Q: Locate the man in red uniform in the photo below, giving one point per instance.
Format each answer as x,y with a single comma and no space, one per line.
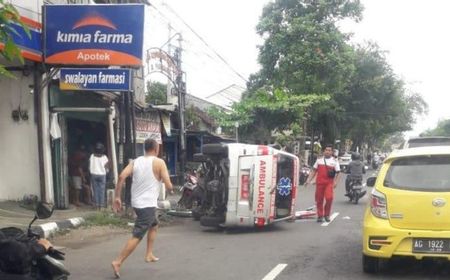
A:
327,170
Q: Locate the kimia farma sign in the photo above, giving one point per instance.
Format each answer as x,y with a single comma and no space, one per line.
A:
93,34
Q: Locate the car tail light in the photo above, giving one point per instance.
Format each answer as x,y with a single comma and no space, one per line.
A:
245,189
378,204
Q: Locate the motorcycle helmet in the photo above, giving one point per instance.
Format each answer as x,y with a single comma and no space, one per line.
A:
356,156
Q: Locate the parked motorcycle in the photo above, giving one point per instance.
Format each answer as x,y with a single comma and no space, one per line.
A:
188,191
356,191
48,266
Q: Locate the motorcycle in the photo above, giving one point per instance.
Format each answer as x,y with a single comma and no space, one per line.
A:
304,174
356,191
47,267
188,190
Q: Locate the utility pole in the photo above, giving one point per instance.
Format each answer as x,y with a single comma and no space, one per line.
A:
181,87
169,52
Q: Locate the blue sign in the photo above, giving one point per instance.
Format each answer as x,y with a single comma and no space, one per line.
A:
29,44
95,79
94,34
284,186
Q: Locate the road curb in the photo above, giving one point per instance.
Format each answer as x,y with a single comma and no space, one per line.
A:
49,229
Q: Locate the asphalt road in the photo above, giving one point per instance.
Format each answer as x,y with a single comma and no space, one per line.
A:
295,250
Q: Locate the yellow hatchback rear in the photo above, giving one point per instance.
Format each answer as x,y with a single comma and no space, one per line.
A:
409,209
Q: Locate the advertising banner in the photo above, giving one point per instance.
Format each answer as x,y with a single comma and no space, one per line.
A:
148,127
94,34
95,79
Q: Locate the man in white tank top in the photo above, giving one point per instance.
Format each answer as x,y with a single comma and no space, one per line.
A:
148,171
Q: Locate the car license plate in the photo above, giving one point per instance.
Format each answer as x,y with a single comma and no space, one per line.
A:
431,245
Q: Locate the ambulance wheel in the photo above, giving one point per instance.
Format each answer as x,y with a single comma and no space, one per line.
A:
200,158
211,221
371,265
196,214
214,149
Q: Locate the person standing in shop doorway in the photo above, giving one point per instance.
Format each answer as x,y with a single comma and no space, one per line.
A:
98,165
76,172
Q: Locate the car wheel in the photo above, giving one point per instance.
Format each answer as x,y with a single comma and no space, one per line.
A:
211,221
371,264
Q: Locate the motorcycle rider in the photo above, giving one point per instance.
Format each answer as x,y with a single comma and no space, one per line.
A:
356,169
16,256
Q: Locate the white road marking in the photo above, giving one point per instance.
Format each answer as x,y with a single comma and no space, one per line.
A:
332,217
275,272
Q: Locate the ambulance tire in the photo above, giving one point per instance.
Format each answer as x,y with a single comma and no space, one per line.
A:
214,149
200,158
196,214
211,221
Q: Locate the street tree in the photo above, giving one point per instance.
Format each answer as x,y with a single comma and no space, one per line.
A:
156,93
263,113
377,103
9,16
304,52
442,129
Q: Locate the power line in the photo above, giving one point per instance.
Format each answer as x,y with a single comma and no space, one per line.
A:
204,42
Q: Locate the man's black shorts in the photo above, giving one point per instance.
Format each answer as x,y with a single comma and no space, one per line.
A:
146,219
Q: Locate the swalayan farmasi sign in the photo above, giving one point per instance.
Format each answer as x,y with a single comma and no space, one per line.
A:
95,79
93,34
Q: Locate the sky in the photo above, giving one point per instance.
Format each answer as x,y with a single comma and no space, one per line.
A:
413,32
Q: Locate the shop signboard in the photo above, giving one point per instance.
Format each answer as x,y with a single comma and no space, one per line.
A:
94,34
148,127
95,79
28,43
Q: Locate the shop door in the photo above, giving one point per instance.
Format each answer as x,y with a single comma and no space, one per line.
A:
60,170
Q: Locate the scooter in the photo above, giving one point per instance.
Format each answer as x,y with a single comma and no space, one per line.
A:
47,267
356,191
187,191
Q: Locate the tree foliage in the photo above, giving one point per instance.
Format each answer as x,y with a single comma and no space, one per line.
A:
8,17
263,112
442,129
376,104
156,93
305,54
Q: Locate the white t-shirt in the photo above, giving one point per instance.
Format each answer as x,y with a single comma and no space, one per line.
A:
97,164
145,187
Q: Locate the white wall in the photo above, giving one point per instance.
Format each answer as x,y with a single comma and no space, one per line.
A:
19,164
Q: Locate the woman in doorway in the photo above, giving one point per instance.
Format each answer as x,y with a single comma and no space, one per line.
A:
98,165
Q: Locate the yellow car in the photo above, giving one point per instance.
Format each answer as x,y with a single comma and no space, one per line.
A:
409,209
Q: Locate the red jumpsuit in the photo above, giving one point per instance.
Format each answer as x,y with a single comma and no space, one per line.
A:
325,185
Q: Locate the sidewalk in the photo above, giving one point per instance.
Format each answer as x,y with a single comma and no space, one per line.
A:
12,214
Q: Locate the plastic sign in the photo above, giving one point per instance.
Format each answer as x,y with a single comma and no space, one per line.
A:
95,79
30,45
94,34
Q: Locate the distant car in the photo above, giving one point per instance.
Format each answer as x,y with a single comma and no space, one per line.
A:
416,142
344,160
409,209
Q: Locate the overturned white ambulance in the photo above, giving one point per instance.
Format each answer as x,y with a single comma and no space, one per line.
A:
245,185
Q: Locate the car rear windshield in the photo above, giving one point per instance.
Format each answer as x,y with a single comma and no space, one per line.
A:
421,173
425,142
